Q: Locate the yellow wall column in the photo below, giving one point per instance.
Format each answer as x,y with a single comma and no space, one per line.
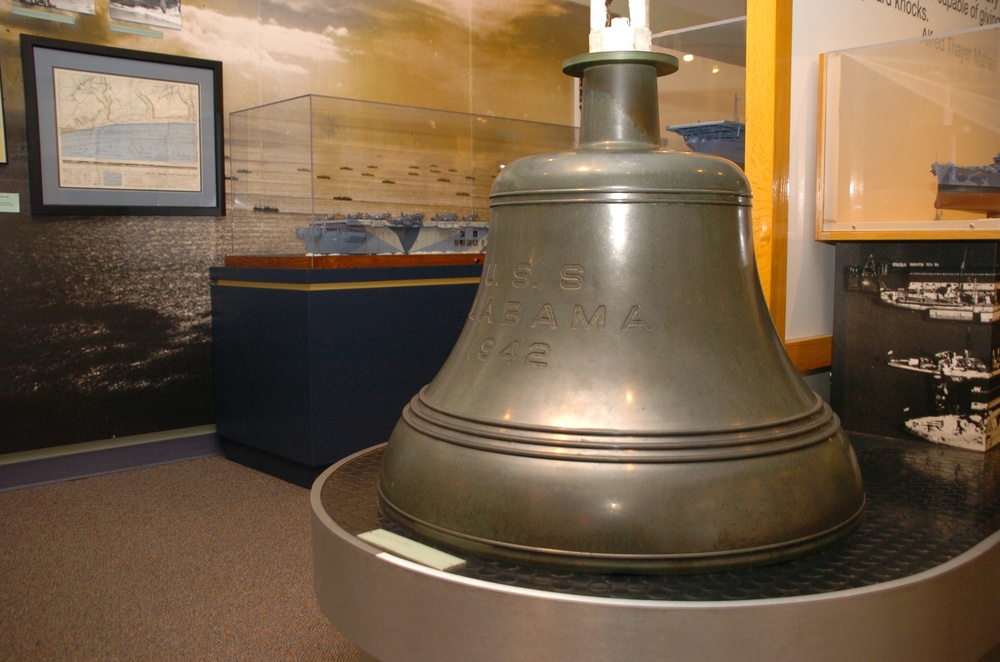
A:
769,44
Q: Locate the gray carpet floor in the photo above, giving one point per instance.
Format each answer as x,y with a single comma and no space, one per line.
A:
197,560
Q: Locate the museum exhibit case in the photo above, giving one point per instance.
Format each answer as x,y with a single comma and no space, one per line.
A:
356,239
317,174
909,143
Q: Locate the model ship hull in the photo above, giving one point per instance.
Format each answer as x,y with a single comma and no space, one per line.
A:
723,138
964,198
381,237
971,188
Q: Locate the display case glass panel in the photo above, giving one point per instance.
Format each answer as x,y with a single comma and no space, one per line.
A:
310,158
702,104
909,144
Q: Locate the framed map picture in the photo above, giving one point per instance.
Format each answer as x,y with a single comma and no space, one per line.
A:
3,131
114,131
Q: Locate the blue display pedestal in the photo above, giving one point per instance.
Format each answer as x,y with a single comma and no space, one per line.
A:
313,364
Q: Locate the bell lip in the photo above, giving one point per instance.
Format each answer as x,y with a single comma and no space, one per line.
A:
809,427
665,64
639,564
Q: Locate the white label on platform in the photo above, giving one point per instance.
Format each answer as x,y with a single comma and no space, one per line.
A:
411,550
10,203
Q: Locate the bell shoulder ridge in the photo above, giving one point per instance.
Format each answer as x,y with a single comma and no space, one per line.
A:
596,168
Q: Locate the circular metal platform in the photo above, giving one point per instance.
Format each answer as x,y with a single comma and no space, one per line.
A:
920,579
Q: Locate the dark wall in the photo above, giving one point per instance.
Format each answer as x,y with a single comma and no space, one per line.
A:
105,326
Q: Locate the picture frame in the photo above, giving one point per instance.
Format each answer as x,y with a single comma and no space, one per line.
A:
3,131
122,132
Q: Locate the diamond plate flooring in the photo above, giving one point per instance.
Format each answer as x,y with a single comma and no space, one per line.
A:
926,505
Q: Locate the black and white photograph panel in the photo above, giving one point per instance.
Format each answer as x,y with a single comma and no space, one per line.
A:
158,13
916,336
78,6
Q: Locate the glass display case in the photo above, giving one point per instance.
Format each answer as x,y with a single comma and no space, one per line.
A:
311,159
909,139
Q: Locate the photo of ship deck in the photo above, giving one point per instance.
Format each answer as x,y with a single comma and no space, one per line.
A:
966,397
945,292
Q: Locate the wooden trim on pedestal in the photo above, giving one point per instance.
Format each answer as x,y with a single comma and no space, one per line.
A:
351,261
806,354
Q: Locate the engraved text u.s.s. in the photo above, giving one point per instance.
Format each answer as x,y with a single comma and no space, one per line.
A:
544,317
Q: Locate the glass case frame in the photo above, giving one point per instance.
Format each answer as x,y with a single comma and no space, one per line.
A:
897,121
314,157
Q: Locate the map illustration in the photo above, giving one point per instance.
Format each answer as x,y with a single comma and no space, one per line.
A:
120,132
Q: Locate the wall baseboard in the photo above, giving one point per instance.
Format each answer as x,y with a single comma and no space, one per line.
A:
50,465
810,353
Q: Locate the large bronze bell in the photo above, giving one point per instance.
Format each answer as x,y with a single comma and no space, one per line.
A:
619,400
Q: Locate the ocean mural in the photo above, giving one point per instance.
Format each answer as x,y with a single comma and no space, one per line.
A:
105,323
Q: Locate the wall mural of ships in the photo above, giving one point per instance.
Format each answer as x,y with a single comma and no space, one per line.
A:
944,293
968,188
384,234
943,385
965,391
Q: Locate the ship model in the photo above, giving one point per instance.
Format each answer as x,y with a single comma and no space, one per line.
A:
968,188
725,138
384,234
